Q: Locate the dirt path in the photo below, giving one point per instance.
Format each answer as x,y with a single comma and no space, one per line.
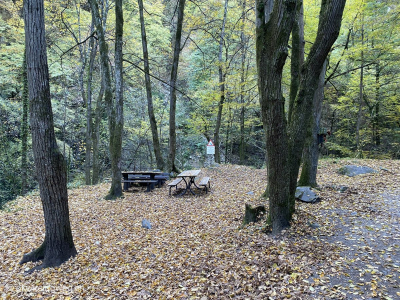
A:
365,222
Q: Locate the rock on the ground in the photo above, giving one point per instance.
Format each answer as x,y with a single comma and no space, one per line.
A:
352,170
305,194
146,224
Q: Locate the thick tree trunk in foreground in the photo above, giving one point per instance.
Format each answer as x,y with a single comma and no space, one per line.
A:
274,23
172,91
58,245
273,31
152,118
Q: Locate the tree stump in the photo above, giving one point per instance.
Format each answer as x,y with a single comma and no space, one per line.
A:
253,214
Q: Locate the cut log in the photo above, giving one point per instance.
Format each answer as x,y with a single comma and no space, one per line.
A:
253,214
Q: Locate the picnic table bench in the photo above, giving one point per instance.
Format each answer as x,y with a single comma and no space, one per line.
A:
204,182
174,184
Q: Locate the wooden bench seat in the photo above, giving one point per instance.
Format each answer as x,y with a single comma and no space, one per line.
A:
148,183
174,183
204,181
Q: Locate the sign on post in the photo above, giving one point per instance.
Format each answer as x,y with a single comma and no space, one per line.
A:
210,148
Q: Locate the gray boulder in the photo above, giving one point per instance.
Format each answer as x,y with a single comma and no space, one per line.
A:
305,194
352,171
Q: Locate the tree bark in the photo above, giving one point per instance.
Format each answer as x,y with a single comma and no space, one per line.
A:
172,91
221,74
308,176
153,123
297,58
24,128
58,245
273,27
117,120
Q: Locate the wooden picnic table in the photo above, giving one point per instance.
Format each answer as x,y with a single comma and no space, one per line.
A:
188,177
147,177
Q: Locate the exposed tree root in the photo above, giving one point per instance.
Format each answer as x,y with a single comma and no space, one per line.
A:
35,255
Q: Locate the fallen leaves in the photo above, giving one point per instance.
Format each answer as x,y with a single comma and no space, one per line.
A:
195,250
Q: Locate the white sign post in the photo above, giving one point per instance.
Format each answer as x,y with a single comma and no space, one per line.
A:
210,152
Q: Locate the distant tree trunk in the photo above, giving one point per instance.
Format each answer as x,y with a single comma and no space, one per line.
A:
174,75
24,128
153,123
88,150
308,176
222,74
273,31
58,245
115,113
361,93
242,81
96,136
376,121
297,58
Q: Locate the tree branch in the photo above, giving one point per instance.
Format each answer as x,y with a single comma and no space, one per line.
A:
163,81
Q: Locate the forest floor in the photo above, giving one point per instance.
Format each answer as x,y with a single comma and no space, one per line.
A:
347,246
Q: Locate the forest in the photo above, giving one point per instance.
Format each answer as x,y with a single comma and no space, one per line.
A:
292,94
215,87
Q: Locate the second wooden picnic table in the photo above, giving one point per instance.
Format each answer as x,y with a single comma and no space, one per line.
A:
147,177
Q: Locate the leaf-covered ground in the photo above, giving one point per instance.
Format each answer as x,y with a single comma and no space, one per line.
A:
344,247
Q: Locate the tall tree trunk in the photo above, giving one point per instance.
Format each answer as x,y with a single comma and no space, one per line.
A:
242,81
153,123
272,35
174,75
221,74
88,150
376,121
24,128
273,26
96,136
83,54
308,176
361,92
297,58
115,114
58,245
328,31
117,120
